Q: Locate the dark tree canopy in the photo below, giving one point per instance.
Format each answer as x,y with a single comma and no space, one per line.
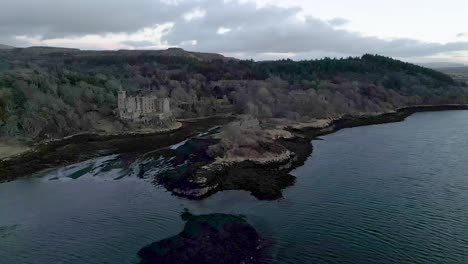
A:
49,92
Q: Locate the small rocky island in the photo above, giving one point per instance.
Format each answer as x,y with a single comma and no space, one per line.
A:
209,239
241,155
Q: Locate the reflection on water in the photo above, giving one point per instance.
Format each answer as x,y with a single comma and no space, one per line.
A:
393,193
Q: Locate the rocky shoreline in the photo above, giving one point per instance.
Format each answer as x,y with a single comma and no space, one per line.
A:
266,181
195,175
349,121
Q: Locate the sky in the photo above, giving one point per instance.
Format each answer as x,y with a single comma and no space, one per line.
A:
416,30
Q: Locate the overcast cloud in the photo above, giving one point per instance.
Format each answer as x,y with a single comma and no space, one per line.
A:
228,27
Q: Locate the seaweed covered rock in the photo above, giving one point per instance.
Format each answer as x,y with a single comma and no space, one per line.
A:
192,173
214,238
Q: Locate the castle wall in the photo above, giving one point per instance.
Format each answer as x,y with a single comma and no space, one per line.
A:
142,108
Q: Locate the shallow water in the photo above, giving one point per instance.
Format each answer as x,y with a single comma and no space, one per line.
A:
393,193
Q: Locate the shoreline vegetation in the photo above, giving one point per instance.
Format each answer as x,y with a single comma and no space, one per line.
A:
260,166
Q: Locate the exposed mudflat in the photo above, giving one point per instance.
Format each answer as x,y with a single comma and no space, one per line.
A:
87,146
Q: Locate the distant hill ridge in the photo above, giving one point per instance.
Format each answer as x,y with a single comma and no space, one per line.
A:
438,65
457,73
454,70
170,52
2,46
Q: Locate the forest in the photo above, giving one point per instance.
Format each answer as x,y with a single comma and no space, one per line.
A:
53,92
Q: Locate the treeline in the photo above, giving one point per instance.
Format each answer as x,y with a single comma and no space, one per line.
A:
47,93
367,64
37,104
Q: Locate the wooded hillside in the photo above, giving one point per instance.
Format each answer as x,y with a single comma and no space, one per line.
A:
52,92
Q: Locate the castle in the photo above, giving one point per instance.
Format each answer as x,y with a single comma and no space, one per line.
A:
143,108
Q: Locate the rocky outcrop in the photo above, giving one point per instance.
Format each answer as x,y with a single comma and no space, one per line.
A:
209,239
196,175
266,179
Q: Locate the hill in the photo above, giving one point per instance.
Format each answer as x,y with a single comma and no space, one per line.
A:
438,65
455,70
457,73
6,47
51,92
103,55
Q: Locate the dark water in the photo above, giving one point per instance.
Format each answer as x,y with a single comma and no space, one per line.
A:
393,193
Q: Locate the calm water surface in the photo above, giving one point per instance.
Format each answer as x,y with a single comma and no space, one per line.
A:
393,193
